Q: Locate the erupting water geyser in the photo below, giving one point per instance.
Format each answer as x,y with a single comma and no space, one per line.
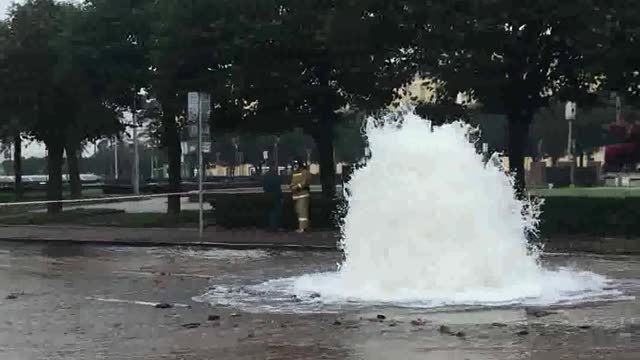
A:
428,223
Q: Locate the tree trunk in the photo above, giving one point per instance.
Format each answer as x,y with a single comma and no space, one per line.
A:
323,133
54,185
73,165
323,138
172,142
518,138
17,166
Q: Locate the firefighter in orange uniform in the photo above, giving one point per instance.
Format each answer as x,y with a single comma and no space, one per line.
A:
301,192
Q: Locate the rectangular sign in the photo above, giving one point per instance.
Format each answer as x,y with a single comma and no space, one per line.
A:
570,111
205,106
206,147
193,106
192,131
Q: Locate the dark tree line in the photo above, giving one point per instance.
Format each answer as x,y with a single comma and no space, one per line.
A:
67,72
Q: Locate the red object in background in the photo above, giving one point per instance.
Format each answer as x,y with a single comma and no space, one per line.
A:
618,131
627,153
634,134
621,154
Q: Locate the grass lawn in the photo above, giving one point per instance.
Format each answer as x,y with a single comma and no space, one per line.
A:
106,217
599,192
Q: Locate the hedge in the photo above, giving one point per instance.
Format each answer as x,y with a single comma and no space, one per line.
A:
561,215
591,216
251,211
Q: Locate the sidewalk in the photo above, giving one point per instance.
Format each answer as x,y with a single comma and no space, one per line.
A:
214,237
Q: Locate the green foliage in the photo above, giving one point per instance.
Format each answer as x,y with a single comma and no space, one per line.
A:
511,59
276,66
302,60
621,48
591,216
50,86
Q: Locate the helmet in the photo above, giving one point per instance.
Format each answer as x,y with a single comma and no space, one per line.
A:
298,161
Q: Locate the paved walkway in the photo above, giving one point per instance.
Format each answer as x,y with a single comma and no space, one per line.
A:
215,237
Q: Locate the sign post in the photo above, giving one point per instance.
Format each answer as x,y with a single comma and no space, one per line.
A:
570,115
200,172
199,108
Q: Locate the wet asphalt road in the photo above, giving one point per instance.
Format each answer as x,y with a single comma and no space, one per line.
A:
87,302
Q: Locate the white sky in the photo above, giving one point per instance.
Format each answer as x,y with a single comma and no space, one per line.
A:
4,5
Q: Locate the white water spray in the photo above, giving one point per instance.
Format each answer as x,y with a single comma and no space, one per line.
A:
428,223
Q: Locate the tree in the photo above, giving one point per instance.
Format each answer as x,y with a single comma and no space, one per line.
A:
31,58
350,139
11,127
186,49
511,59
621,55
50,62
301,62
12,132
106,63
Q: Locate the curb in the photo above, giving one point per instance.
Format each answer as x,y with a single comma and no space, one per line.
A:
202,244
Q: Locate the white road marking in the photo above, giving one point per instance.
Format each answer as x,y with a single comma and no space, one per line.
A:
144,273
134,302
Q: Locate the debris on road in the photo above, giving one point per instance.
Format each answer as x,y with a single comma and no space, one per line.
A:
191,325
418,322
538,312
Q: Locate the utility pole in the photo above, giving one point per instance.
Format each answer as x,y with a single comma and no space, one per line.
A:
115,157
619,117
236,145
275,155
136,156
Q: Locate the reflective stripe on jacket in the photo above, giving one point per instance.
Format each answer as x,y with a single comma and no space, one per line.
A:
300,184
